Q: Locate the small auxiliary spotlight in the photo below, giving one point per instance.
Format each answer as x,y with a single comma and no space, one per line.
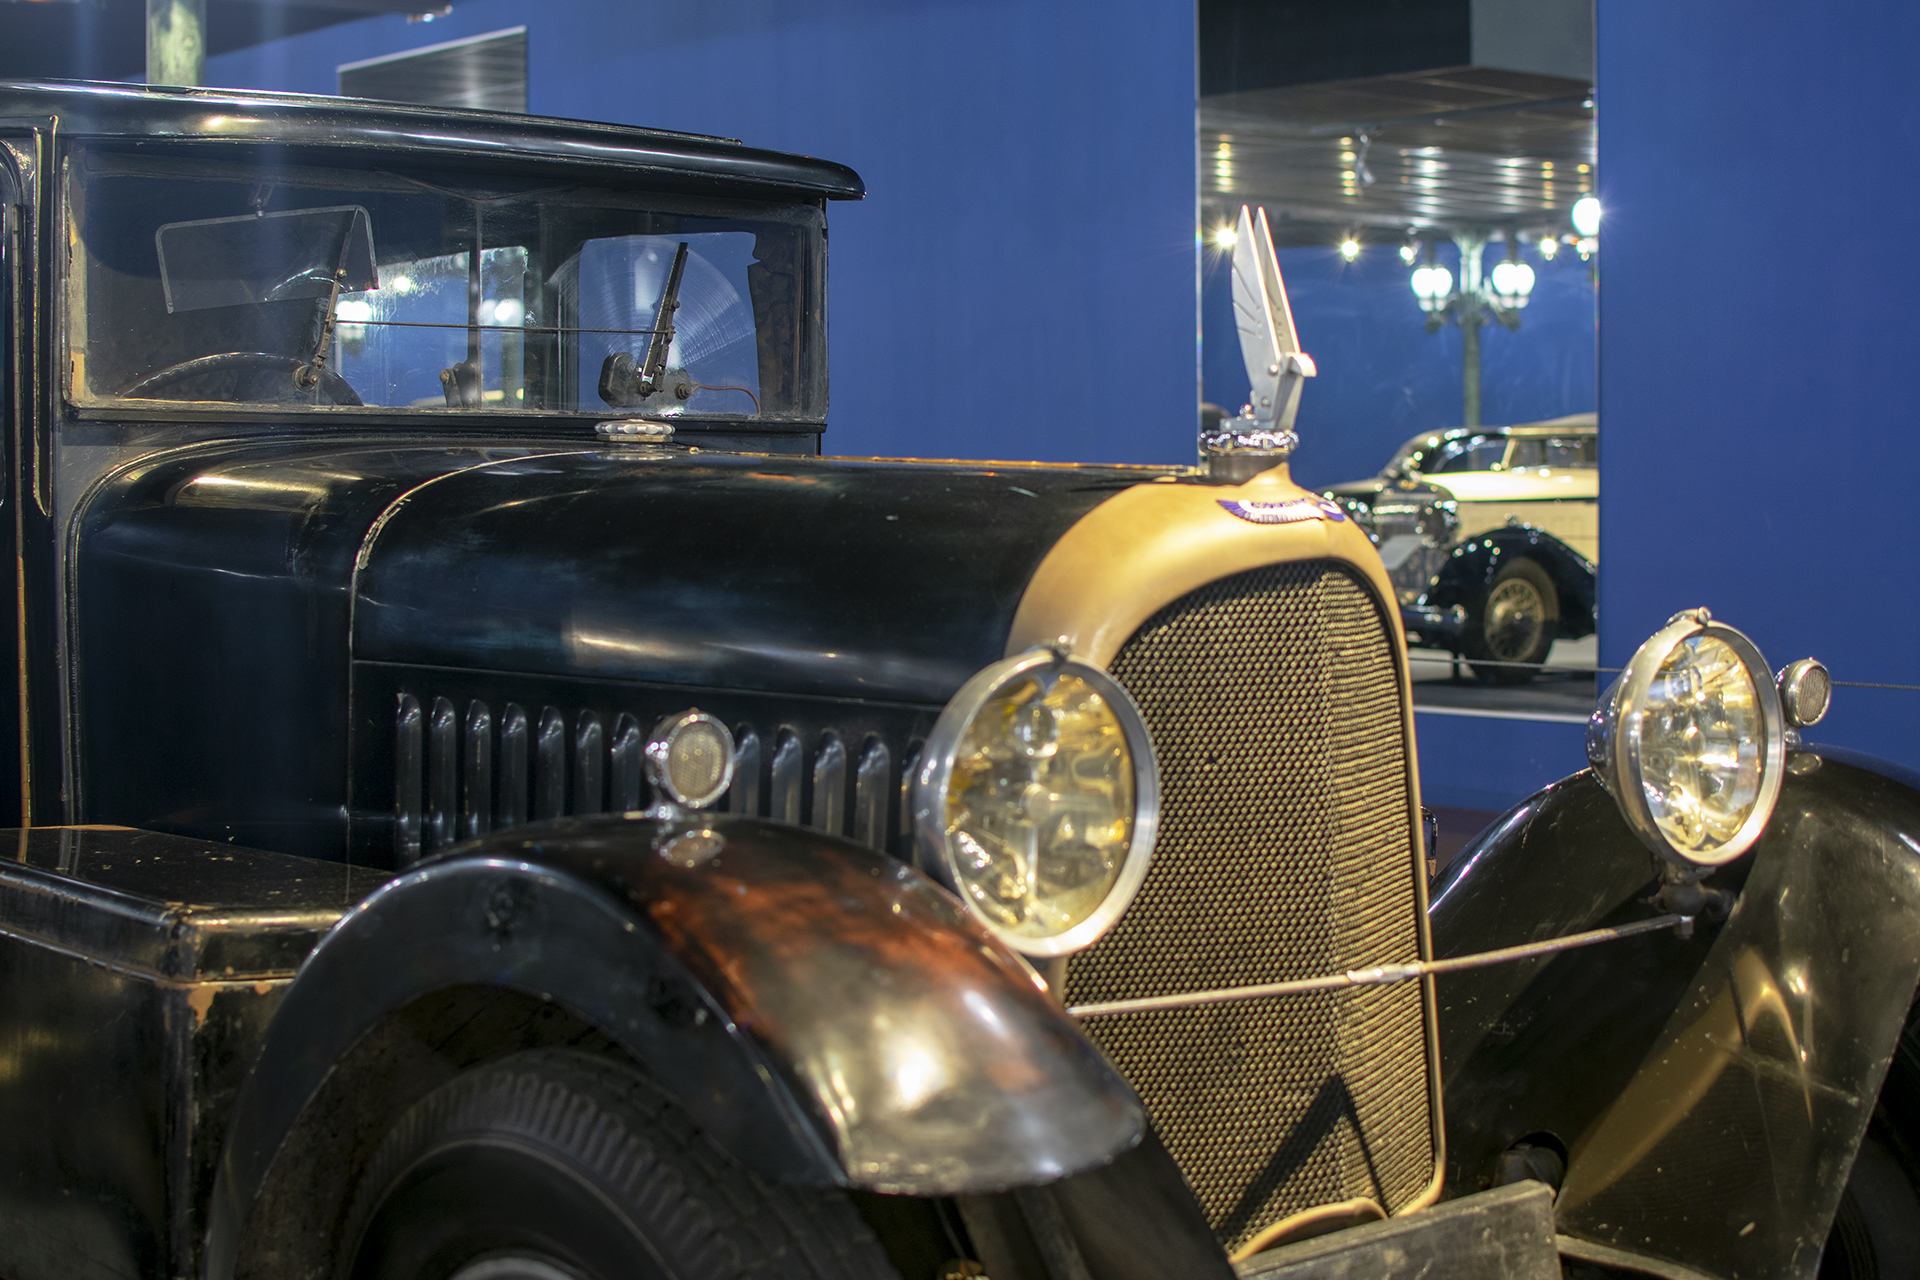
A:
690,759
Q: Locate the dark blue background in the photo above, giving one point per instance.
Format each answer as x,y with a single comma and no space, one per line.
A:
1760,315
1021,282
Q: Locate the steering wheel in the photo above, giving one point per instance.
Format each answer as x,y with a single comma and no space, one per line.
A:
244,376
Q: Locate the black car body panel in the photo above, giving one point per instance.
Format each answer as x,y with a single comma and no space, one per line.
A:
737,573
701,948
1709,1091
142,971
693,569
1470,567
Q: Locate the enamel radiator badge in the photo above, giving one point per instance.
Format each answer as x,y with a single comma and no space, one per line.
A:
1288,512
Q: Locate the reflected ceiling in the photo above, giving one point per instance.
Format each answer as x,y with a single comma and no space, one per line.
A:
1455,147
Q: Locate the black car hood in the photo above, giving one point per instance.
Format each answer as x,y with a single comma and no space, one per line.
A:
847,578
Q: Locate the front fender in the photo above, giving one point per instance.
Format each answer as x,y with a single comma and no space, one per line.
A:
1473,563
1710,1092
827,1014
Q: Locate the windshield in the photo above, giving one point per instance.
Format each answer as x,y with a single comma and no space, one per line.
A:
356,289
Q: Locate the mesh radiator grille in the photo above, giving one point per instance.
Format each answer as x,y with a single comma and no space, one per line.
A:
1284,852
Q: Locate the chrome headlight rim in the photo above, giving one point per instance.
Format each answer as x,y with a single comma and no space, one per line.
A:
1617,737
936,853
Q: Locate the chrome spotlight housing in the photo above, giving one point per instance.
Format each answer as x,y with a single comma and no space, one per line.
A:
1806,691
1036,801
1691,741
689,759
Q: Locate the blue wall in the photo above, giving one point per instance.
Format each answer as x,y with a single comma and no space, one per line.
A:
1383,378
1484,762
1020,281
1760,317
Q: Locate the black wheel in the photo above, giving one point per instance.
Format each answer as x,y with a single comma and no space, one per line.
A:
558,1165
1876,1233
1514,620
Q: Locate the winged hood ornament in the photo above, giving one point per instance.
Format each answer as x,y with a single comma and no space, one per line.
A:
1276,366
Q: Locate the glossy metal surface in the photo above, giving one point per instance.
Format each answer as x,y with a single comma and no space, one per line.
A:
837,1017
213,582
715,577
1806,691
1616,737
294,120
1710,1091
141,971
935,775
1471,565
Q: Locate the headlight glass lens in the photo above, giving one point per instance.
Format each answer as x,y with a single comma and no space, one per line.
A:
1702,745
1040,805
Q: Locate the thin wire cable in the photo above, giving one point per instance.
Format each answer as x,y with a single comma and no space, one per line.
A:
1386,973
1546,669
701,386
491,328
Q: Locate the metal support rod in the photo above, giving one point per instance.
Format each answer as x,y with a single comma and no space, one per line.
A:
1383,973
1470,368
176,41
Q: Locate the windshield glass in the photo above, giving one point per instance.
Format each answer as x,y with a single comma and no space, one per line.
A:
369,288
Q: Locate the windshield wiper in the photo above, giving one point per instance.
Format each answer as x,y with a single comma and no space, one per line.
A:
307,376
621,385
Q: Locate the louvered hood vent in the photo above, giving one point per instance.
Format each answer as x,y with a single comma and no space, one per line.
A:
463,768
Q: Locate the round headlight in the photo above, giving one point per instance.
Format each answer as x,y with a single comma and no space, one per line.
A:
1036,801
1690,741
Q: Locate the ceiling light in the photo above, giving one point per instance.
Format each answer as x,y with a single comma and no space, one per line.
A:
1548,247
1586,216
1349,248
1224,235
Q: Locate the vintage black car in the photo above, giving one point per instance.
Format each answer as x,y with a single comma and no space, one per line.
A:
494,802
1492,537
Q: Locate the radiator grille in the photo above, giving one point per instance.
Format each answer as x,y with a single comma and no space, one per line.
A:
1284,852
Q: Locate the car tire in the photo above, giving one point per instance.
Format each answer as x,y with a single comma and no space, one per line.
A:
1876,1231
1514,620
560,1165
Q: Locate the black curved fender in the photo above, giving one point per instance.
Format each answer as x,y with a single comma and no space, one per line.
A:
826,1013
1710,1091
1473,563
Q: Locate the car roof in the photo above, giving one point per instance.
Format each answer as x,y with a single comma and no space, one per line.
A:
1574,424
113,110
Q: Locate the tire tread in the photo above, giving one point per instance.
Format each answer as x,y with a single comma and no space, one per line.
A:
621,1131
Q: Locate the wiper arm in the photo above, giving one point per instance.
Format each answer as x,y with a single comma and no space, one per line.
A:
307,376
656,365
621,386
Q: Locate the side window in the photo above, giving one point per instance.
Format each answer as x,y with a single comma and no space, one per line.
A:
1550,451
1469,453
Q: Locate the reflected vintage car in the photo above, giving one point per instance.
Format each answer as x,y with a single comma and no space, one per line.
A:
1491,536
492,801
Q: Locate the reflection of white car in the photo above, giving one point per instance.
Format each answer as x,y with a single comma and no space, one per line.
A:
1491,536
